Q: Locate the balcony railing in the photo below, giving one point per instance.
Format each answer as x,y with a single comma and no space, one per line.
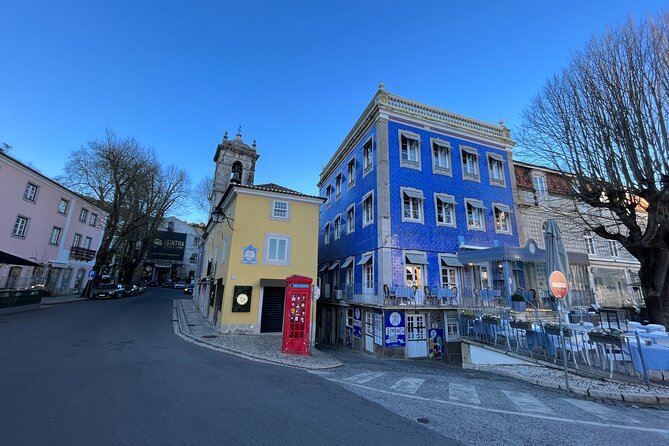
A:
84,254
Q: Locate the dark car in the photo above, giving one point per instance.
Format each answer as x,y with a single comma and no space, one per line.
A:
108,291
130,289
153,283
168,284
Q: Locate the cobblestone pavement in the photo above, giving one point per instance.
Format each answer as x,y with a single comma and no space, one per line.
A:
190,324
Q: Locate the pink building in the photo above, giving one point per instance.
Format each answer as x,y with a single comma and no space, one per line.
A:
54,232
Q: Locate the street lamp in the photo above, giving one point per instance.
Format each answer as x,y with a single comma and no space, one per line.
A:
217,215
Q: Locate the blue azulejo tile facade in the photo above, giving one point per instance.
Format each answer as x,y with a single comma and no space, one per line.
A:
410,193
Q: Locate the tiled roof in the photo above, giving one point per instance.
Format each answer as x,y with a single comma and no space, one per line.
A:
272,187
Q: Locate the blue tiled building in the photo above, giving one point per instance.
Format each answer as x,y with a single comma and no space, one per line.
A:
411,192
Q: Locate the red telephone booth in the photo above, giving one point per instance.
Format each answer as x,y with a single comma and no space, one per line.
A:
296,316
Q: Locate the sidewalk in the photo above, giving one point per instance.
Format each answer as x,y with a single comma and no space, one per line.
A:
52,300
192,326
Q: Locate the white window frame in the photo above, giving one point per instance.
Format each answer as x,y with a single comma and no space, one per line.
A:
452,327
83,215
540,187
62,206
328,195
447,170
326,234
451,273
367,156
441,198
285,260
368,272
350,219
30,192
349,274
614,251
408,162
368,219
338,183
54,238
480,211
589,242
94,219
76,240
20,226
276,204
466,151
415,204
494,158
350,173
337,227
495,210
87,243
349,317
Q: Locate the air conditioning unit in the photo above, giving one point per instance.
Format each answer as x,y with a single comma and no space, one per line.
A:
338,294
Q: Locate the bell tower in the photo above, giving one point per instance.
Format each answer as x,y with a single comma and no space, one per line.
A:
235,163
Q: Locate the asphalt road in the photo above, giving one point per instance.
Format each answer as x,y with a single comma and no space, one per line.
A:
114,373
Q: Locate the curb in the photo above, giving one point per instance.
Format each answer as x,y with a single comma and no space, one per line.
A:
592,392
43,302
178,317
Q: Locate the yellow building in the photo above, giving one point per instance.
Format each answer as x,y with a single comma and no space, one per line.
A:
266,234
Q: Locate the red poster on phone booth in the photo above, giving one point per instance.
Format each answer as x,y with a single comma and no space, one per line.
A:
296,316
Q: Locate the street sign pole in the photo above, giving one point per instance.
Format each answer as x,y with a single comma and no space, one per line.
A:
559,288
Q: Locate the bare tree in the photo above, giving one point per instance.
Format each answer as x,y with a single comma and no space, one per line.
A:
126,181
200,197
602,121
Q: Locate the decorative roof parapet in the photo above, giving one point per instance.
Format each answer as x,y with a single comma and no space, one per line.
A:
389,103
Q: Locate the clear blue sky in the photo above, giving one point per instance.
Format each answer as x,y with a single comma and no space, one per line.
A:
295,75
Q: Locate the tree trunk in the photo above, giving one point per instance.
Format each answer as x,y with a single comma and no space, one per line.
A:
654,275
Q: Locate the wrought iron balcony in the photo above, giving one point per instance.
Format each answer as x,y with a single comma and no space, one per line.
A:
84,254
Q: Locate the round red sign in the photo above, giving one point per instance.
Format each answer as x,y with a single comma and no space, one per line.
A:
558,284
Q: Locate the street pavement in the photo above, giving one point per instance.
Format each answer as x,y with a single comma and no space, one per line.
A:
114,373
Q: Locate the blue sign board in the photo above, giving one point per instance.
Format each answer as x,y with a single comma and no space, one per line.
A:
395,333
91,273
357,322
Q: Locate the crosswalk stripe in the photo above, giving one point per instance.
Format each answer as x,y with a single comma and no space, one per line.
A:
599,410
362,378
463,393
527,402
408,385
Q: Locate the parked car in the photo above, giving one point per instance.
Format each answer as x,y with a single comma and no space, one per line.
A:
168,284
108,291
153,283
130,289
188,289
180,285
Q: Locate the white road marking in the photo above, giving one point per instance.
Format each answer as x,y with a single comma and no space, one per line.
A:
362,378
599,410
510,412
527,402
408,385
461,392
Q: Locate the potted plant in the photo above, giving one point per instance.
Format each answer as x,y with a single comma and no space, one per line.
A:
553,328
520,324
489,318
518,302
606,336
467,314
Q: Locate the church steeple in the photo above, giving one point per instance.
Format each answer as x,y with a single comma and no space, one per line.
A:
235,163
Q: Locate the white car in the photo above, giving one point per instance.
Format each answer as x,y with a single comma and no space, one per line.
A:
180,285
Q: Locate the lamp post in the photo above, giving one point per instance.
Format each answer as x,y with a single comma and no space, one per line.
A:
217,215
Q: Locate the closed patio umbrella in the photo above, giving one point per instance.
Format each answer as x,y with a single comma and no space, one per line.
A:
556,260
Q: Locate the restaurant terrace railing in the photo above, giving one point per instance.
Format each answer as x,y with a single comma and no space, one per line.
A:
632,352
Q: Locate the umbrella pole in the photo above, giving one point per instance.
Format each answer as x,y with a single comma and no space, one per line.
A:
564,349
